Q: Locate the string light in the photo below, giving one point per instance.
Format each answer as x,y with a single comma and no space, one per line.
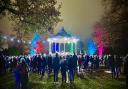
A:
12,39
5,37
29,42
63,40
18,41
24,42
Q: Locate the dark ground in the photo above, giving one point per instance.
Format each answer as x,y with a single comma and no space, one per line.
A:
97,80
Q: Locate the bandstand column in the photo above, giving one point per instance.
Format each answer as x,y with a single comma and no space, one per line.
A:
59,47
72,48
49,47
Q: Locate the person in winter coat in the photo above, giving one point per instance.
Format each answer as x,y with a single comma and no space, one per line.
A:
75,59
39,60
63,65
112,65
118,65
43,66
80,63
17,75
24,75
49,62
126,70
86,62
97,63
71,68
56,66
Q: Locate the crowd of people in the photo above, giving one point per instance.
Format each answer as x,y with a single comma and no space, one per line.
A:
67,65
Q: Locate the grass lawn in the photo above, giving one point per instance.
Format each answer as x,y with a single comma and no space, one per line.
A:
98,80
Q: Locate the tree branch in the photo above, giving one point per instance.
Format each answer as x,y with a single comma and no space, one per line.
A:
13,11
2,8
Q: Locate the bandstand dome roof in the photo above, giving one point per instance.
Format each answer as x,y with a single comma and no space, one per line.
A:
62,37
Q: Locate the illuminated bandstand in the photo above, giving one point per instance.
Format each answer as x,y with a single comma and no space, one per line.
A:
62,43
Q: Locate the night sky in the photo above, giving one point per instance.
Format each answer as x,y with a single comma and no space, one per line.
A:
78,16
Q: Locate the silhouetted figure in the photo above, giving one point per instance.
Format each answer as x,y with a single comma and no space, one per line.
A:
80,62
63,65
17,75
118,64
24,75
14,63
86,62
72,69
2,64
43,66
91,63
112,65
126,70
49,62
56,66
39,64
75,59
97,62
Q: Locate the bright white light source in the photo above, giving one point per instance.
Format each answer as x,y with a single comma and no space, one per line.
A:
18,41
12,39
29,42
65,38
68,42
5,37
109,72
55,39
75,40
49,40
24,42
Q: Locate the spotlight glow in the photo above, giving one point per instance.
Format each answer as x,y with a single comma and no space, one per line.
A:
91,47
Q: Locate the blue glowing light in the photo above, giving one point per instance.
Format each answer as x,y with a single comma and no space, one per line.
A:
91,47
53,48
57,47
